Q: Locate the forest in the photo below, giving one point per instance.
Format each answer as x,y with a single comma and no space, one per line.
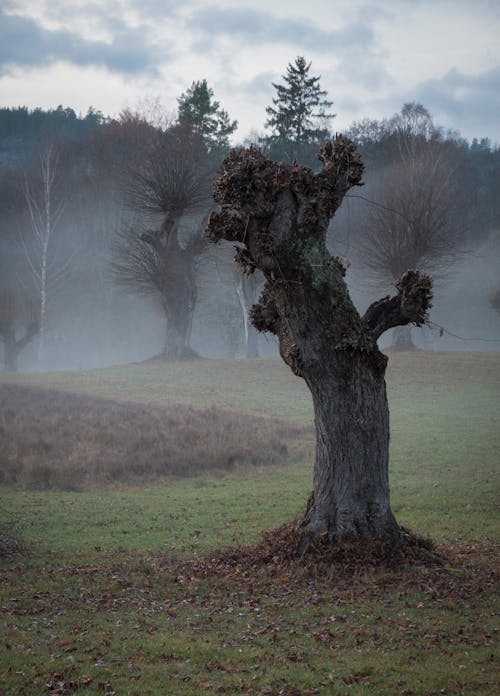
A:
104,258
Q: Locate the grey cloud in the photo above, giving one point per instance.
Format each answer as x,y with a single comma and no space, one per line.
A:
260,85
109,13
470,103
24,42
261,27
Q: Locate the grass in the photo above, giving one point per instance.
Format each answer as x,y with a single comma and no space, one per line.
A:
51,439
105,598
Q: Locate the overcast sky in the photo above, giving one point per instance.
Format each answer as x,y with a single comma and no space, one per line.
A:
372,55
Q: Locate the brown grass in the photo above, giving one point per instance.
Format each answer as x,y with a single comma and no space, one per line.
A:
52,440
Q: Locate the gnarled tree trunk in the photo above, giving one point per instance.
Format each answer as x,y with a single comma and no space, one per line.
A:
173,267
178,301
279,214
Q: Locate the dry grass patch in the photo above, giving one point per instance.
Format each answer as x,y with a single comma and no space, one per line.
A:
52,440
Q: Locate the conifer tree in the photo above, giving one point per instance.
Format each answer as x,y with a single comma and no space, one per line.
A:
200,111
300,107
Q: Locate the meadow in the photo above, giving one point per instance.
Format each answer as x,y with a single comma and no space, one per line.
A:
155,580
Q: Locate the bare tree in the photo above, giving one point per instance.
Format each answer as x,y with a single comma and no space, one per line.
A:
48,265
279,214
158,264
19,325
416,217
173,182
412,223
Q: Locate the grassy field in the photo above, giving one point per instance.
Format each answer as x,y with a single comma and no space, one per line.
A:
109,597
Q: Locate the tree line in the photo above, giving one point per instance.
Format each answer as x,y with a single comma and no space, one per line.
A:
96,211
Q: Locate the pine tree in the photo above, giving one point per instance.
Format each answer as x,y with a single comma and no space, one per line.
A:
299,107
199,111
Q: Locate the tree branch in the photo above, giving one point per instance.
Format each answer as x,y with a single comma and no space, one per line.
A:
264,313
226,223
409,306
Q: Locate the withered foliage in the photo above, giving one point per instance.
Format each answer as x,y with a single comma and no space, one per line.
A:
52,440
347,569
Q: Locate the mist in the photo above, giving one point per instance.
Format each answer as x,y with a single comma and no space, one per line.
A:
462,317
104,258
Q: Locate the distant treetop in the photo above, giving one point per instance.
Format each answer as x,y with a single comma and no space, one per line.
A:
300,111
200,111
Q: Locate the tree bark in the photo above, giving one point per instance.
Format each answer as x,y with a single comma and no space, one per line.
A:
351,481
178,301
279,214
177,288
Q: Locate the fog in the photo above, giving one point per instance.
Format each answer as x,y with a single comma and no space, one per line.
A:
104,258
88,330
462,316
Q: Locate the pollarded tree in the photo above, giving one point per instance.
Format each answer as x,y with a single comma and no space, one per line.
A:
158,264
279,215
420,210
199,111
414,222
300,113
172,181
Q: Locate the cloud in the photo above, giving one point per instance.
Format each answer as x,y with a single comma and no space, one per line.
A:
262,27
25,43
469,102
258,86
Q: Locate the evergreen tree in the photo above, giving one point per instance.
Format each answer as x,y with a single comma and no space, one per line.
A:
200,111
299,108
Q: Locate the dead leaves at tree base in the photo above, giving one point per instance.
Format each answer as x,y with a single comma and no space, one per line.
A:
367,566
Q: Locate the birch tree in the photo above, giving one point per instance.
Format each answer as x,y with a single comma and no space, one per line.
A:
45,206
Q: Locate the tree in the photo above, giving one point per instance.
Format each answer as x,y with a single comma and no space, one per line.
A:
172,181
19,325
412,226
200,112
45,204
413,222
300,113
419,211
279,214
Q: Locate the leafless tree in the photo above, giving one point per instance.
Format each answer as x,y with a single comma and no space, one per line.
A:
415,216
48,263
172,182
